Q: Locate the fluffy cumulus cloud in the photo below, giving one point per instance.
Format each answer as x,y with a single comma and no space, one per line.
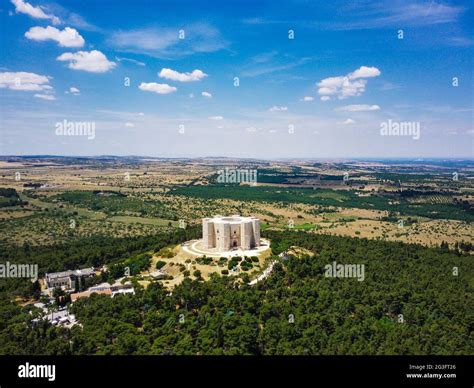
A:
365,72
216,118
348,122
69,37
206,94
34,12
93,61
24,81
130,125
195,75
157,88
358,108
278,109
307,99
350,85
74,90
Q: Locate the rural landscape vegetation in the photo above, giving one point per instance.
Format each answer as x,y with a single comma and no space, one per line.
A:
410,223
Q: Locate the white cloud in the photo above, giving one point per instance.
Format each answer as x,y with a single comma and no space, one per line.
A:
307,99
352,84
24,81
358,108
195,75
35,12
347,122
342,87
141,114
73,90
93,61
157,88
48,97
365,72
206,94
216,118
278,109
69,37
129,125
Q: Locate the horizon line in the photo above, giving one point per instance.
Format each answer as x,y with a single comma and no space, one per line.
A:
415,158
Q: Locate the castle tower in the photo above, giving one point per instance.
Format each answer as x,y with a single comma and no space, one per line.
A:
247,234
208,233
256,232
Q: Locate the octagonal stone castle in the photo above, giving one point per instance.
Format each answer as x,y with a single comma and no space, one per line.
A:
227,233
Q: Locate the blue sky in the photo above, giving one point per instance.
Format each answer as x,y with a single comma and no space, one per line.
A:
315,79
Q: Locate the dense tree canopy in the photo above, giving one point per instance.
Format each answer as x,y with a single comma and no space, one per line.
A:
409,303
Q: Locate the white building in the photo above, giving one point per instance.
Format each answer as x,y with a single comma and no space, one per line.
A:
227,233
67,279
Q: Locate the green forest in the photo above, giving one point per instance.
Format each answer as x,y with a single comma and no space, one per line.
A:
409,303
9,197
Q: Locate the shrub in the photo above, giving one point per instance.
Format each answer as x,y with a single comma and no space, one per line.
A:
222,260
160,264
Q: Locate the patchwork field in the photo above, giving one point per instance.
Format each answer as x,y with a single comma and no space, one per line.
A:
47,201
